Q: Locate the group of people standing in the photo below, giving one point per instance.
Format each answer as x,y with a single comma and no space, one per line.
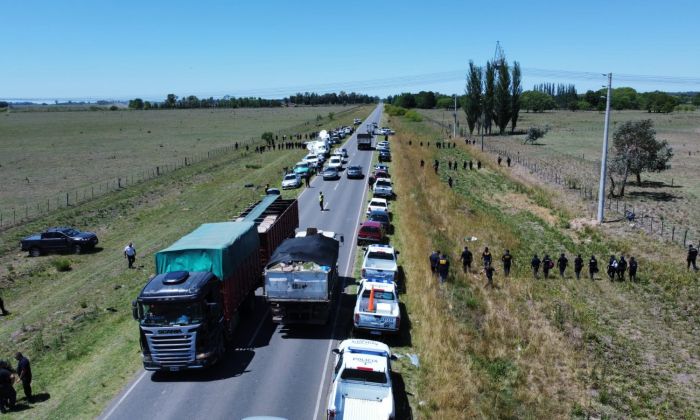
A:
8,376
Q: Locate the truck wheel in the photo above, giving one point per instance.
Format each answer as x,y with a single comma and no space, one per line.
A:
34,252
78,249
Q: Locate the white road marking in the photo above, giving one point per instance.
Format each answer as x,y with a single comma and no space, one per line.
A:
126,394
337,311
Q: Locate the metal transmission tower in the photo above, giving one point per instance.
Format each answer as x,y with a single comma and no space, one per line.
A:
499,56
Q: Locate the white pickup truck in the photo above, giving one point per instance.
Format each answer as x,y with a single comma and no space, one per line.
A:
380,263
377,307
361,386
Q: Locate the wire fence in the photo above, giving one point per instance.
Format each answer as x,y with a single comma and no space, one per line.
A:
587,190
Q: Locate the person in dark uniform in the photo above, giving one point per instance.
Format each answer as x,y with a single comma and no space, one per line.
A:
449,181
471,165
499,160
592,266
508,161
422,163
464,165
2,308
466,259
489,271
612,267
562,263
621,268
8,395
307,178
478,164
547,264
434,257
535,264
578,266
24,371
443,268
633,269
507,260
486,257
692,257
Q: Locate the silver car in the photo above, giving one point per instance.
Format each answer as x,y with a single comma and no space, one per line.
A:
291,181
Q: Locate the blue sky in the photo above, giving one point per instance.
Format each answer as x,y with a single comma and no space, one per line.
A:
123,49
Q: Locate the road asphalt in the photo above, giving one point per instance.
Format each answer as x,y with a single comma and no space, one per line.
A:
271,370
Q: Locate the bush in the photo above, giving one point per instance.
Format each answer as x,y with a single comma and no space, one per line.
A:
536,133
62,264
394,110
113,108
414,116
684,108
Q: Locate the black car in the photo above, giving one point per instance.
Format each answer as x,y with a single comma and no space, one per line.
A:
59,239
381,217
384,156
354,172
330,173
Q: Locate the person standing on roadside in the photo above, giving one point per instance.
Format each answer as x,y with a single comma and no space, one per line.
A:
434,258
578,266
621,268
486,257
24,372
592,266
443,268
562,263
466,259
130,254
547,264
633,269
535,264
507,260
692,257
320,199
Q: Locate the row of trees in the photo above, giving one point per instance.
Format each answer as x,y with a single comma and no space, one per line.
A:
172,101
493,96
423,99
547,96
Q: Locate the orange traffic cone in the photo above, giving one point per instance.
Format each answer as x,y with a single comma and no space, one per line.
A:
370,307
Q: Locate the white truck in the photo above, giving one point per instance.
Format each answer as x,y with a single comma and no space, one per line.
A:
380,264
361,387
377,307
382,188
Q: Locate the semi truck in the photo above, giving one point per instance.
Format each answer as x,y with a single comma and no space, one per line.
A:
364,141
300,278
188,310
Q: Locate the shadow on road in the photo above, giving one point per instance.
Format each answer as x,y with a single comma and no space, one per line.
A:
403,408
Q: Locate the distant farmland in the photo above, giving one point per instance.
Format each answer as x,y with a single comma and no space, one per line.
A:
44,154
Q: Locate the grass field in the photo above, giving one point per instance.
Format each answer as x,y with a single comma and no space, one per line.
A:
573,148
534,348
76,325
44,154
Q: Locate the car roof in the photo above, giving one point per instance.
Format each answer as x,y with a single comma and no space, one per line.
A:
371,223
378,200
379,212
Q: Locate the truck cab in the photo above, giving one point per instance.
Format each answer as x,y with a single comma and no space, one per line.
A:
181,321
361,387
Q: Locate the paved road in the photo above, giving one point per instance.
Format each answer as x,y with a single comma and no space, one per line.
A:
272,370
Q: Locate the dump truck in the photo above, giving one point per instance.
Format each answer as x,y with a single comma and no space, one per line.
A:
364,141
188,310
300,278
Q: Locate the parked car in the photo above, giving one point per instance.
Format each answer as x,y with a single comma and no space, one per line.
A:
61,239
330,173
361,387
383,145
377,307
384,156
336,162
311,159
381,167
371,232
378,204
302,168
380,263
379,173
354,171
357,121
381,217
291,181
382,188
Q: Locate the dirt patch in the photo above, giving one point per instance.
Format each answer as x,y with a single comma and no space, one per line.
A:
519,202
582,223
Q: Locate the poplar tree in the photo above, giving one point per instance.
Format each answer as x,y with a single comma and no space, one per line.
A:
489,91
472,106
516,91
502,99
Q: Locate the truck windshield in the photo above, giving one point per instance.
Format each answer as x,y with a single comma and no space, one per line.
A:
364,376
169,314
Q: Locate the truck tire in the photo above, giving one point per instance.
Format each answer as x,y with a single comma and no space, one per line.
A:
34,252
78,249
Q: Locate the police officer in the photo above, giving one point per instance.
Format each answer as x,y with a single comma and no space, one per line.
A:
449,181
466,259
547,264
692,257
486,257
592,266
8,395
499,160
562,263
633,269
621,268
434,257
2,308
508,161
489,271
535,264
578,266
24,371
320,199
507,259
612,267
443,268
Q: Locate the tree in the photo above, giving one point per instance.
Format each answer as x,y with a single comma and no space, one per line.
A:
535,133
445,102
473,99
502,99
405,100
425,100
516,92
170,100
268,137
696,100
489,93
136,103
592,98
636,150
658,102
537,101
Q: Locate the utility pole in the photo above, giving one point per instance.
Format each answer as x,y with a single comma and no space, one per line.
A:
454,126
604,158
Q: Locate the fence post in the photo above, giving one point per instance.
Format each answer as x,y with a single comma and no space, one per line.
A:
14,217
67,199
673,233
651,224
685,235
